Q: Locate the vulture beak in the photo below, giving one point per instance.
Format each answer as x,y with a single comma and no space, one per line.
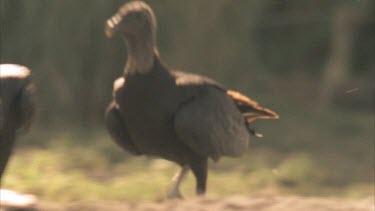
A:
111,26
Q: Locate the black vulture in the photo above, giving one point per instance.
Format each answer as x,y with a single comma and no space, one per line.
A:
178,116
17,107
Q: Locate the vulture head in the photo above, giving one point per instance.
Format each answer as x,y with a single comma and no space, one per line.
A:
136,23
133,19
13,70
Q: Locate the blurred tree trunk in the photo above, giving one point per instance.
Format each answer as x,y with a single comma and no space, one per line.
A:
345,23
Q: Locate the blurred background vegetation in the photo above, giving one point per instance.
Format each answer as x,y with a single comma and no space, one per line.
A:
311,61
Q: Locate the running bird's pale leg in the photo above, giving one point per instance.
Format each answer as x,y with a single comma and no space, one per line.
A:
174,191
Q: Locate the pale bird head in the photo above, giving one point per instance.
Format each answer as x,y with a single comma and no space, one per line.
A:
13,70
132,19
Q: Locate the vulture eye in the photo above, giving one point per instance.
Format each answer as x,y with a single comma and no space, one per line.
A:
135,16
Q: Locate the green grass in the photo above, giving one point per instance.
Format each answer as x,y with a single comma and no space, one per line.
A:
334,159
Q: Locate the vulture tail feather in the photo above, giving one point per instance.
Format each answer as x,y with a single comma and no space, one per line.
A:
251,110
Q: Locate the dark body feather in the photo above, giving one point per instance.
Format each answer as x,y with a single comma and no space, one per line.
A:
149,105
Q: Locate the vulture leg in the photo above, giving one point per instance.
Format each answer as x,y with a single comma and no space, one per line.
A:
174,191
117,129
199,168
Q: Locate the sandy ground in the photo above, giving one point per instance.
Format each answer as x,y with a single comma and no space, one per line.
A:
232,203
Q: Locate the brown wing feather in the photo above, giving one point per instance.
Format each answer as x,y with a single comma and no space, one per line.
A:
211,125
250,108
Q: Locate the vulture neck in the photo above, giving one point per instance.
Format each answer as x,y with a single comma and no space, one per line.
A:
142,53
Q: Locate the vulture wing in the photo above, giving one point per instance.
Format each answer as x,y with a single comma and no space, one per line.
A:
211,124
25,106
116,126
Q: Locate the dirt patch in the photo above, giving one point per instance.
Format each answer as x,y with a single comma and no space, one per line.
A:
231,203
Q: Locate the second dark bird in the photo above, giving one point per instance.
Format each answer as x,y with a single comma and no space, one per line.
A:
17,107
178,116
